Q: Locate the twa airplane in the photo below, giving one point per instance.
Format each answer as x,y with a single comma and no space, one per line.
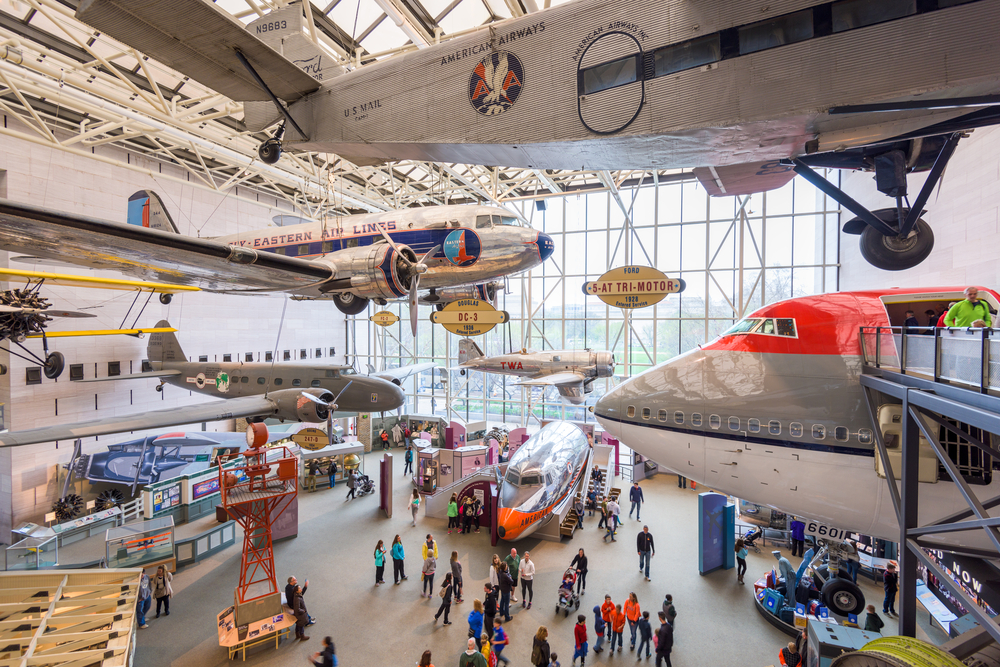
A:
350,260
571,372
746,93
772,412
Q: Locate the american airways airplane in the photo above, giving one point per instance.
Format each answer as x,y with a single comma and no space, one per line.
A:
773,412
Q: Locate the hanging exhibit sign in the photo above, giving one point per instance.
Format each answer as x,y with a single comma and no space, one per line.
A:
384,318
633,287
469,317
312,439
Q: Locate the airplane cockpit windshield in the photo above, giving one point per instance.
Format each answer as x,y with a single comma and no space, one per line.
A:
767,326
540,470
488,221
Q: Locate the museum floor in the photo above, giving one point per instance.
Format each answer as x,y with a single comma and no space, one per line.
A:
393,625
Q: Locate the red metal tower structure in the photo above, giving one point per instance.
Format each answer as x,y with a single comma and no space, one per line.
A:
254,495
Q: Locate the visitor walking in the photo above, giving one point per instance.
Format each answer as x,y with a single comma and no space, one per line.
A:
476,622
890,583
741,559
580,563
408,461
471,657
414,506
379,563
632,614
645,635
526,572
635,496
430,564
580,639
162,590
456,575
430,547
445,594
500,641
600,627
669,612
664,641
607,611
397,560
145,599
352,483
540,647
617,627
644,545
328,656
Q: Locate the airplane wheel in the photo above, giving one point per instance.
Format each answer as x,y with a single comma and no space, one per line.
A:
54,365
270,151
843,596
894,253
439,307
350,304
166,298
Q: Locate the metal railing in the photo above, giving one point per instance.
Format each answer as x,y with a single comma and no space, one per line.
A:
132,509
969,357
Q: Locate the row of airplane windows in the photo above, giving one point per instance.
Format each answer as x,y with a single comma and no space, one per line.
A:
773,427
819,21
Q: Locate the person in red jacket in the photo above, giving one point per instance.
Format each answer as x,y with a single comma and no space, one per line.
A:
580,635
617,627
607,610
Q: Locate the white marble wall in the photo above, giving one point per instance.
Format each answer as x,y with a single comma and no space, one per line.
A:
208,324
965,217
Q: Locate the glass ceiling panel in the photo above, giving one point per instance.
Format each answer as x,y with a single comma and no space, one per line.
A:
345,12
468,14
384,37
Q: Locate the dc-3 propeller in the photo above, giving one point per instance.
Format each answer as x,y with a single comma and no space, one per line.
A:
415,269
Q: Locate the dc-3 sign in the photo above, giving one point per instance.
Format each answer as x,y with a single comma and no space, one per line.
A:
384,318
469,317
633,287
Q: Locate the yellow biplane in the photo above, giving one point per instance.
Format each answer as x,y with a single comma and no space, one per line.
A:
25,313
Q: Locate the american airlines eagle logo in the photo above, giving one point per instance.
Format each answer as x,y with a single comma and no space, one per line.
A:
496,83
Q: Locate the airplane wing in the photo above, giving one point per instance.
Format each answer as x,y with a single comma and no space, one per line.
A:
245,406
397,375
135,376
198,39
555,379
150,253
104,332
70,280
744,179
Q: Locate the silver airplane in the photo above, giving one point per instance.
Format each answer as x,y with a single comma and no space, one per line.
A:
352,261
286,391
747,94
571,372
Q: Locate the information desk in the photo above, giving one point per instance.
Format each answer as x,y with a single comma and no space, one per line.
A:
239,639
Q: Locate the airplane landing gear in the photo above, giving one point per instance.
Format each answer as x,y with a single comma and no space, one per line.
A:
350,304
166,298
269,152
892,239
839,594
55,362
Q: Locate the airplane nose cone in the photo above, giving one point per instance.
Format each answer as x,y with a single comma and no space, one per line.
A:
501,531
546,246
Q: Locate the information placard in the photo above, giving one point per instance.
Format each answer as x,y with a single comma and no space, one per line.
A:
631,287
469,317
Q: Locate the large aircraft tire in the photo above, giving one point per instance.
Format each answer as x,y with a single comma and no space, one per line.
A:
350,304
843,596
893,253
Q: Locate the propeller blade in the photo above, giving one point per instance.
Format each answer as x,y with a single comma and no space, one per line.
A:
333,405
13,309
418,268
392,244
66,313
428,254
312,398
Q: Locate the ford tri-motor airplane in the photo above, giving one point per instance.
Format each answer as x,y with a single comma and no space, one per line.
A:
747,93
571,372
773,412
351,260
288,391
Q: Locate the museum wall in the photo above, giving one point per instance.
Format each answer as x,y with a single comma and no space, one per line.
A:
209,324
965,217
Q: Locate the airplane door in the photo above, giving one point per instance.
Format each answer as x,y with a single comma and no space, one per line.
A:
610,82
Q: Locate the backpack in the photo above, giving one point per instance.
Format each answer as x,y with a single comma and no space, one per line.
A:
536,653
407,433
443,591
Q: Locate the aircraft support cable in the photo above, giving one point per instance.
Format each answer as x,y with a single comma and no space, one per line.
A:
270,150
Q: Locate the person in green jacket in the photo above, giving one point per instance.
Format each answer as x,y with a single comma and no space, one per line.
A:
513,567
872,622
453,512
964,313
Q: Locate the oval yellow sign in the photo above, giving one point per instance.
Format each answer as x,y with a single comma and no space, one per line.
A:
632,287
469,317
384,318
312,439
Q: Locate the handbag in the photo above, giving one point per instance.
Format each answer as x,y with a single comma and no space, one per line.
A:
443,592
472,633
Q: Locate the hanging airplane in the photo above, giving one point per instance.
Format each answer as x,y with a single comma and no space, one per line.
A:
773,412
352,260
286,391
747,94
541,479
571,372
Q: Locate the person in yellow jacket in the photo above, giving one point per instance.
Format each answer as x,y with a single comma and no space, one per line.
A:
965,312
430,547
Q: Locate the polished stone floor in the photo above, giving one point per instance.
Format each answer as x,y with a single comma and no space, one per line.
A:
393,625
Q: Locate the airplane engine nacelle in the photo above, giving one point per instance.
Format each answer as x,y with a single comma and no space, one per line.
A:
377,271
293,405
604,362
482,291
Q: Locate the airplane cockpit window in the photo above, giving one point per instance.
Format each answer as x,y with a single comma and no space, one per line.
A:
513,477
484,221
785,326
531,479
743,326
767,327
506,220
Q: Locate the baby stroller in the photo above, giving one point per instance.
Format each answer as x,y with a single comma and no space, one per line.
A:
568,599
365,485
751,536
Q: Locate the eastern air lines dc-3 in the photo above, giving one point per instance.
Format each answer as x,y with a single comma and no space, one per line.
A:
452,250
748,94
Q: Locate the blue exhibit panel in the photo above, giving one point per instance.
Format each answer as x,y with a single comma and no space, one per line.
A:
716,526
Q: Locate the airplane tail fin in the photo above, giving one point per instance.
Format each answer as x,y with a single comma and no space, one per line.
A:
468,350
146,209
164,346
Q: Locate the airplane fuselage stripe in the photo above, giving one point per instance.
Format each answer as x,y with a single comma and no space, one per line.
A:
739,437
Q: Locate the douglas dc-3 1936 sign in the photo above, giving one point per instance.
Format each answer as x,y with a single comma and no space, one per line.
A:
632,287
469,317
384,318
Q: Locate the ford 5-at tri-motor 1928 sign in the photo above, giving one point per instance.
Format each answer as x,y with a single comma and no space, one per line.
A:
469,317
632,287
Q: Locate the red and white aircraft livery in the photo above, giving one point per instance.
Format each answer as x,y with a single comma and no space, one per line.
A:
773,412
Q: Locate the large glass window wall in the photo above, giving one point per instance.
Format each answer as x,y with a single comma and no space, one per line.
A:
735,255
